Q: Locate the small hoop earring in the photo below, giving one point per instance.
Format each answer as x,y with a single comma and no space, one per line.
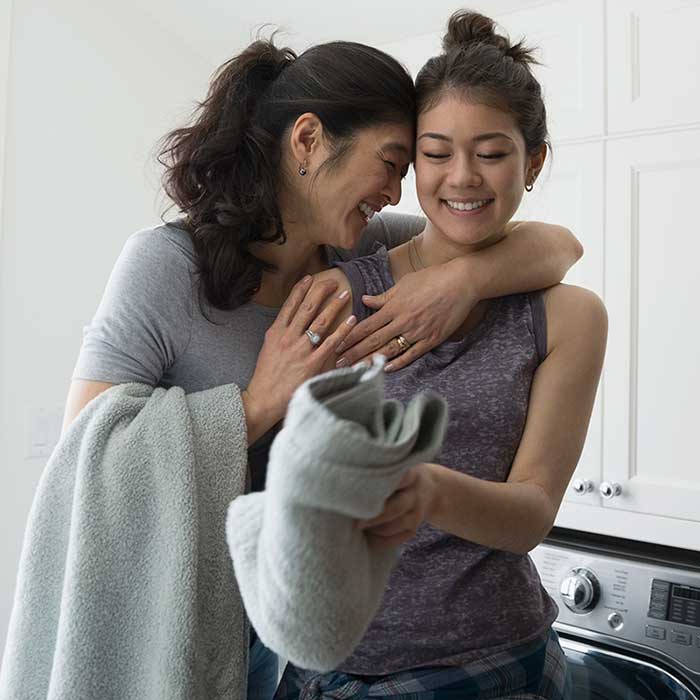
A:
302,169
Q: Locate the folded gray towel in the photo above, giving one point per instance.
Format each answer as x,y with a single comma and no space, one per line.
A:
125,589
311,582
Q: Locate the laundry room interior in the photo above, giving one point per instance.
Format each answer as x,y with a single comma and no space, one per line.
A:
88,89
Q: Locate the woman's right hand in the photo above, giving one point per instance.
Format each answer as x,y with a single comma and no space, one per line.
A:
288,358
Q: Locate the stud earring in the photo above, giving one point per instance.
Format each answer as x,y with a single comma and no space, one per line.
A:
302,169
529,187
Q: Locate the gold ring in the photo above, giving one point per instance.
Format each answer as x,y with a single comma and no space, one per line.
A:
403,343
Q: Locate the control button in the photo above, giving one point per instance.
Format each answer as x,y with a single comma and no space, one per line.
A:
615,620
659,585
683,638
654,632
657,613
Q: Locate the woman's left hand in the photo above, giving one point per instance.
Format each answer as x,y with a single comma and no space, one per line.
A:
405,510
425,307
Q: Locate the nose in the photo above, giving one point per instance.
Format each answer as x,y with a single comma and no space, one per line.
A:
392,191
464,173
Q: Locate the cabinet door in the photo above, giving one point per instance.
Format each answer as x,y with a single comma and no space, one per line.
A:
570,37
571,194
654,64
652,374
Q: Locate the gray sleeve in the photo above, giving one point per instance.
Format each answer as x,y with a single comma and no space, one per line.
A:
388,230
144,320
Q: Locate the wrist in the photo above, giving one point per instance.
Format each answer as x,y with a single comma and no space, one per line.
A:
437,498
255,416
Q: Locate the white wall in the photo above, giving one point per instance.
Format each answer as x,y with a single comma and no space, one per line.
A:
91,87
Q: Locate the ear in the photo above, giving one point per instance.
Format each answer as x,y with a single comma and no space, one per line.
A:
535,163
306,137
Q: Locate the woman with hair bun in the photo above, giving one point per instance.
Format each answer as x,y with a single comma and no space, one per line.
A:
279,174
464,614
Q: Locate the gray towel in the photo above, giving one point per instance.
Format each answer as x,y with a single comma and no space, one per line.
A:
125,589
310,580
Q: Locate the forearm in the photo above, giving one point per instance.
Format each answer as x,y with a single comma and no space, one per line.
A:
514,517
530,256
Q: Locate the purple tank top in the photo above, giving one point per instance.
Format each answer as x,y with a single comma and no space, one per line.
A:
450,601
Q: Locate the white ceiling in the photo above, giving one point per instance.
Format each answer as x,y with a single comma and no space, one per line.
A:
217,29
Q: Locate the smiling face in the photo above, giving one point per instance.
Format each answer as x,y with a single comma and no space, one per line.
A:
471,170
343,196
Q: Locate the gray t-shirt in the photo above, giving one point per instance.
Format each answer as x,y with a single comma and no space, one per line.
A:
149,326
450,602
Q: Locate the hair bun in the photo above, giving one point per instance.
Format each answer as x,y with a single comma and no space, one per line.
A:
466,27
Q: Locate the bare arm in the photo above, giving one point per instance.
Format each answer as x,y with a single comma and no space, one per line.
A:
80,393
427,307
516,515
531,256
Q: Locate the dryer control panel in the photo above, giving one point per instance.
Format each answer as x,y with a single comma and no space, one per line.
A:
675,602
636,602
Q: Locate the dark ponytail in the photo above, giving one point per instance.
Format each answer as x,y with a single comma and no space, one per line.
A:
484,66
223,171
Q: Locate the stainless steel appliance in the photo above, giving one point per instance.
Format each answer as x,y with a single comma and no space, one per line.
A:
629,615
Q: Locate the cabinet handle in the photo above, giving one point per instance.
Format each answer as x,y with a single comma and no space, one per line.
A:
582,486
610,490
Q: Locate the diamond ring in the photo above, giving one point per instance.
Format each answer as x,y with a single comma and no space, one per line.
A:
314,338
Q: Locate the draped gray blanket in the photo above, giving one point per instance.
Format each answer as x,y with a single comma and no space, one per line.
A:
311,581
125,589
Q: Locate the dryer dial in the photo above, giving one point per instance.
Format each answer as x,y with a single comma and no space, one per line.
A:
580,591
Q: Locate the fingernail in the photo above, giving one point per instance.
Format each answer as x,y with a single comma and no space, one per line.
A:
388,368
341,362
351,320
343,294
307,279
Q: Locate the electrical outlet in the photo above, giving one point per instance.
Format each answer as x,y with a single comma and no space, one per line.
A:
42,429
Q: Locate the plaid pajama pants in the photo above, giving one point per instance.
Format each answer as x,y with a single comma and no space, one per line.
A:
533,672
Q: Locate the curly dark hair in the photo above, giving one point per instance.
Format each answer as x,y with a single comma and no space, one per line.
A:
223,171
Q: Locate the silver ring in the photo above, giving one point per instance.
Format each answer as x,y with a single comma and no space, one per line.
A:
314,338
403,343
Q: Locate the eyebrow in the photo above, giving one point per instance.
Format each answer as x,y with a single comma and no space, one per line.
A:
481,137
396,146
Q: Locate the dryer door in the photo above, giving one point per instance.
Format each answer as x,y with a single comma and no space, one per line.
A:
599,674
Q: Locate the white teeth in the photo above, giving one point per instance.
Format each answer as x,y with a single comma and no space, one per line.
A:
366,209
467,206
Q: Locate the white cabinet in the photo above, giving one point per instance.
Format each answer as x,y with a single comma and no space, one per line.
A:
653,64
652,379
651,384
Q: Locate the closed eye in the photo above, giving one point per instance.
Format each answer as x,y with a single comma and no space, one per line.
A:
436,155
491,156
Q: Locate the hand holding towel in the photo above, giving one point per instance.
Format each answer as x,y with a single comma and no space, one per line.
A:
310,580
